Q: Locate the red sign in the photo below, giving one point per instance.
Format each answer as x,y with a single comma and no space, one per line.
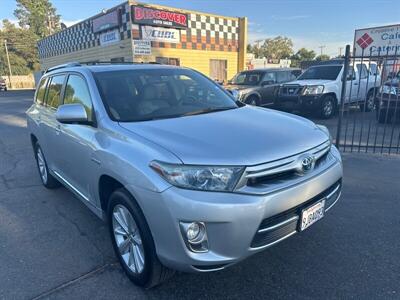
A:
158,17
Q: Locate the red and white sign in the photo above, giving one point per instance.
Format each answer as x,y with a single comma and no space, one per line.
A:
157,17
378,41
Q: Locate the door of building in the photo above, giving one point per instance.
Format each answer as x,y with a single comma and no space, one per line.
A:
218,69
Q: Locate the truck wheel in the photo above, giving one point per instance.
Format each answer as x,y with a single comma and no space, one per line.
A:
328,105
133,242
253,100
370,102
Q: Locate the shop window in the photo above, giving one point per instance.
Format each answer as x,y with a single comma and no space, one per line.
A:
168,61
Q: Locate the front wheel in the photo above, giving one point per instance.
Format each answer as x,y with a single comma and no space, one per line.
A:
369,103
253,100
132,241
328,105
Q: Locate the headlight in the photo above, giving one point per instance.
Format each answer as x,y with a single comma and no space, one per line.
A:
326,131
313,90
205,178
386,89
235,94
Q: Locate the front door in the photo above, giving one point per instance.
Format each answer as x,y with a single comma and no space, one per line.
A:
218,69
268,86
75,142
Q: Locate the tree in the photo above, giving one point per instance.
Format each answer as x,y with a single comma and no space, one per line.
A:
277,48
21,47
39,16
302,55
322,57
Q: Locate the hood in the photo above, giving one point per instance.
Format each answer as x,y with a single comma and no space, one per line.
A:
243,136
393,82
309,82
239,87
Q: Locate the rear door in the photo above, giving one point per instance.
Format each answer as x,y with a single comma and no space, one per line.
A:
363,74
49,123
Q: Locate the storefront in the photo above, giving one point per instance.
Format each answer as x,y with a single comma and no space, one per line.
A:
214,45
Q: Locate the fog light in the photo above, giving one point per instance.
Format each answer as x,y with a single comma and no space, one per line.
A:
193,231
195,236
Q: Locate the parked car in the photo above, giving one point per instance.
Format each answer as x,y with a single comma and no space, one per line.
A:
319,88
260,86
3,85
388,100
188,178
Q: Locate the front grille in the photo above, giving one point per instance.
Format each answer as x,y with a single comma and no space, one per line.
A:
278,227
287,170
290,90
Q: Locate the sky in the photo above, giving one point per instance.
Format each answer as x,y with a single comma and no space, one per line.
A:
309,23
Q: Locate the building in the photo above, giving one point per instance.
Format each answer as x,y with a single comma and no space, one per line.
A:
262,63
214,45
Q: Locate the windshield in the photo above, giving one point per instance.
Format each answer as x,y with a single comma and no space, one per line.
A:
247,78
321,72
141,95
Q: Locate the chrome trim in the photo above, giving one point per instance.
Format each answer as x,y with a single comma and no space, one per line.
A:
286,164
334,191
337,199
71,186
275,242
294,218
209,270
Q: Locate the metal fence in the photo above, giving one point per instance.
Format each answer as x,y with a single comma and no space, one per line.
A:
369,112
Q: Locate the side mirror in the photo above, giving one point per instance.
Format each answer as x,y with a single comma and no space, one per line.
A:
267,82
71,113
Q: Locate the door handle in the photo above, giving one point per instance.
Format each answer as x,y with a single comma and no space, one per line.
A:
355,83
58,129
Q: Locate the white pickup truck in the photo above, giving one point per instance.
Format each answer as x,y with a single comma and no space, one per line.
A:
319,88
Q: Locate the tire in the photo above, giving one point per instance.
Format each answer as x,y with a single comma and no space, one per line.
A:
145,269
370,101
48,180
382,118
328,107
253,100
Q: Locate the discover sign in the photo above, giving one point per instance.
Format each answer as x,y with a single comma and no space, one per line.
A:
378,41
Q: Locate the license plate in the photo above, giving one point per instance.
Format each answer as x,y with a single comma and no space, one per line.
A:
312,214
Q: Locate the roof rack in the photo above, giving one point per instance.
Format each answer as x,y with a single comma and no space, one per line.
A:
94,63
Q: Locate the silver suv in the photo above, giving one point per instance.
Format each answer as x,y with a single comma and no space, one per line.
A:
187,178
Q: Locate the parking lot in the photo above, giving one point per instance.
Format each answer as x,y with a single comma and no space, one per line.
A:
52,246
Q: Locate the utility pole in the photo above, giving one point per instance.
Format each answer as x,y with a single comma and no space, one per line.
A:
340,51
9,65
321,47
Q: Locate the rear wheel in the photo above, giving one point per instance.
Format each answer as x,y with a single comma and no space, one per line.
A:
48,180
132,241
328,105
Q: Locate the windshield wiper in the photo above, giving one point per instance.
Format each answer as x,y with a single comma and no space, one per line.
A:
207,110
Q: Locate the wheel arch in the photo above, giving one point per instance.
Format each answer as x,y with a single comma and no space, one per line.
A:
106,186
252,94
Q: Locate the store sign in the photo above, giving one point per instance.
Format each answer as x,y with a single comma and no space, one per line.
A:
107,21
109,37
150,16
159,34
378,41
141,47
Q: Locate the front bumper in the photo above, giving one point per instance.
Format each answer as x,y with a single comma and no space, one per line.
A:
238,225
389,103
300,102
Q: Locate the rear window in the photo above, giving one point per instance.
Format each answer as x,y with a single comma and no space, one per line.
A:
41,91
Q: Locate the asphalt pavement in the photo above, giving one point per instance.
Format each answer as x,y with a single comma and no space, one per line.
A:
53,247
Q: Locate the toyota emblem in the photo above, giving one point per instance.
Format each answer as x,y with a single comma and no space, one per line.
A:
307,163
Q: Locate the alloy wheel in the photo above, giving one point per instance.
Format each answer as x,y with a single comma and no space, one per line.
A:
128,239
328,108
